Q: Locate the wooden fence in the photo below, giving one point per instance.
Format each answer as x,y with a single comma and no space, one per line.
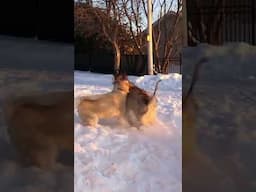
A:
103,62
224,21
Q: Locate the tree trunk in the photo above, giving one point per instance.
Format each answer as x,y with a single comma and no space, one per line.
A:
117,57
166,66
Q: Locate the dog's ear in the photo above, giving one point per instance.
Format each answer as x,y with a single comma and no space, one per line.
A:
124,76
117,76
116,72
120,76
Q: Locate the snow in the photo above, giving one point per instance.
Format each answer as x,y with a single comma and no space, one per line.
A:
15,178
229,63
111,158
225,93
32,66
108,158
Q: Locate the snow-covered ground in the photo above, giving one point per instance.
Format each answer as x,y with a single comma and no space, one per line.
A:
225,93
14,178
111,158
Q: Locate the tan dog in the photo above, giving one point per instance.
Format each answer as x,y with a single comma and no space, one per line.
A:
40,126
141,108
105,106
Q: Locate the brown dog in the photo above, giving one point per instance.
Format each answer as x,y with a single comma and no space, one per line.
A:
40,126
105,106
141,108
128,102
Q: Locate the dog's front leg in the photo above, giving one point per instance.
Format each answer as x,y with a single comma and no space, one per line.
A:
89,119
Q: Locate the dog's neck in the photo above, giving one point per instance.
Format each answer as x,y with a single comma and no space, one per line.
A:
121,89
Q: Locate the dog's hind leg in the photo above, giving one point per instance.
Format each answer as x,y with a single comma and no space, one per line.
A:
133,120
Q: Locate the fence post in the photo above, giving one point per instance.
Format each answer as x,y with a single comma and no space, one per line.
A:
180,62
253,22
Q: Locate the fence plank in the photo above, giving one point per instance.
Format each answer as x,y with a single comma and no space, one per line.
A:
103,62
238,20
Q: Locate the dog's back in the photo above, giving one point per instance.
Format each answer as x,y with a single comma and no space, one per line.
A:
141,107
105,106
109,105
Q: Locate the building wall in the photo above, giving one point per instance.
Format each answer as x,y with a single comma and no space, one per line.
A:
166,26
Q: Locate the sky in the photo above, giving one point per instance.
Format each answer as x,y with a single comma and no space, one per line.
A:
157,7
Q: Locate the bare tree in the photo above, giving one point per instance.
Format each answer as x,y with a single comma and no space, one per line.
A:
122,23
133,15
109,14
83,21
167,29
104,19
168,35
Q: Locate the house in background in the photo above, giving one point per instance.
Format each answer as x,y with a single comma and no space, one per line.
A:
171,27
170,30
87,27
90,42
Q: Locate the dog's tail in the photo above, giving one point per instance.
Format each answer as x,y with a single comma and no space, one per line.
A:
156,87
154,94
194,77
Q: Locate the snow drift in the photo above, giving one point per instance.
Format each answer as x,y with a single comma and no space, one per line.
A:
111,158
